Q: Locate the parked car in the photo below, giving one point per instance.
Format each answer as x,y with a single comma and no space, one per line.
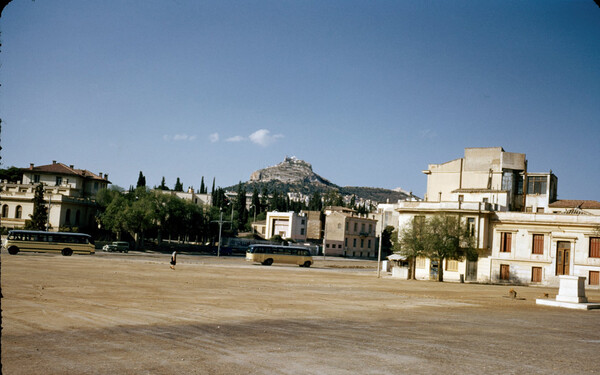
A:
120,246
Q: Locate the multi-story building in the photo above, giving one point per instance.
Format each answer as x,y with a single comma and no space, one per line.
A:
69,194
522,232
349,234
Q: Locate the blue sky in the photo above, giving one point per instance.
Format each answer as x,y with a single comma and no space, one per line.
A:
368,92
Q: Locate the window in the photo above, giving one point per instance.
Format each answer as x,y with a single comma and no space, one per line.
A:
504,272
536,274
58,180
420,262
538,244
302,231
68,217
471,225
355,227
362,243
370,228
594,247
362,227
346,242
452,265
339,225
539,210
461,198
505,242
536,184
594,278
346,226
369,244
36,178
302,222
96,188
18,212
354,243
5,210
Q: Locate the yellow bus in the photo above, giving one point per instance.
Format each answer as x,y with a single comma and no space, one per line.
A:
269,254
49,242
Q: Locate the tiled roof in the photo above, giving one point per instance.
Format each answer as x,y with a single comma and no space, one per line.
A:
574,203
60,168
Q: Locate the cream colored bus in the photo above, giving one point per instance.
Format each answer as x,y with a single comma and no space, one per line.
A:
49,242
269,254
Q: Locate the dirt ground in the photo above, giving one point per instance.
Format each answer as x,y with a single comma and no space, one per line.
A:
131,314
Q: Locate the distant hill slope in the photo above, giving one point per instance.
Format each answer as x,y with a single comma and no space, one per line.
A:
295,175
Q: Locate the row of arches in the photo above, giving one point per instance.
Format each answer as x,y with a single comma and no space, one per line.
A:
18,211
19,214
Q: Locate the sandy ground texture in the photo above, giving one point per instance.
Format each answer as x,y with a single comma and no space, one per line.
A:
131,314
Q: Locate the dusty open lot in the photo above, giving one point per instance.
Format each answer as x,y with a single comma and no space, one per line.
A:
131,314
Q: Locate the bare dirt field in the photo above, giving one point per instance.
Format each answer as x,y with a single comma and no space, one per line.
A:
131,314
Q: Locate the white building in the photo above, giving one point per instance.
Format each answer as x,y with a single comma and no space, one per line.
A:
288,225
523,233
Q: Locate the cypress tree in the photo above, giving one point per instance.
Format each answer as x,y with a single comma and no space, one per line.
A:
40,213
141,180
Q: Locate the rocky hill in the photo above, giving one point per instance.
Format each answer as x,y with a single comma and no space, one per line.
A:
297,176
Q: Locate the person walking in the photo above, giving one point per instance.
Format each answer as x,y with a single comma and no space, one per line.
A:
173,259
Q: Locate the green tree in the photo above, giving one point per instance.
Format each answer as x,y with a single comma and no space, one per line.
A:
39,218
386,241
141,180
315,203
163,185
440,237
178,185
255,204
202,187
12,174
240,207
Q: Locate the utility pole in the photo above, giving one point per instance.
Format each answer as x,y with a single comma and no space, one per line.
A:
220,221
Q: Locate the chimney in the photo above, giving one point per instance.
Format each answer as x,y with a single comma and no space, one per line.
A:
106,176
30,165
100,174
53,161
71,166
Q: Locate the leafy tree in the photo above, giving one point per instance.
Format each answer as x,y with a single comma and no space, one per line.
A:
12,174
439,237
315,203
141,180
333,198
386,241
255,205
178,185
39,218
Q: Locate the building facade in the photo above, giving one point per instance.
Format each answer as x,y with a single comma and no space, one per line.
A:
349,234
69,194
523,233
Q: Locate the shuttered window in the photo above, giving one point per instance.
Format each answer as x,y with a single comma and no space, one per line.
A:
451,265
538,244
594,277
594,247
536,274
505,242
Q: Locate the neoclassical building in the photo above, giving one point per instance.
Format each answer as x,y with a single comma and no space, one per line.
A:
69,194
523,233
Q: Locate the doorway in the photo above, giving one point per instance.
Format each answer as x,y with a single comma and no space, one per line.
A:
563,257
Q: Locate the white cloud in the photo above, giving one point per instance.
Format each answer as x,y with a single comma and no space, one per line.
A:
214,137
179,137
263,137
237,138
